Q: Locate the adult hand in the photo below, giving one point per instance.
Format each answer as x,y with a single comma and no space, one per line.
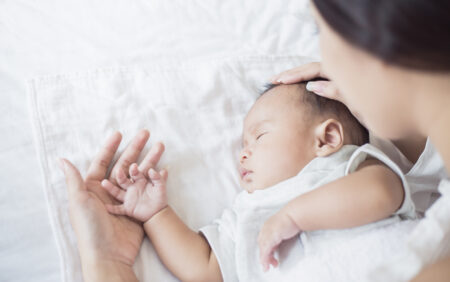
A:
108,244
306,72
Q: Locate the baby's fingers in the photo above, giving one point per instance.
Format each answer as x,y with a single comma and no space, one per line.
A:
273,261
116,209
122,179
135,173
158,178
164,174
268,260
267,248
113,190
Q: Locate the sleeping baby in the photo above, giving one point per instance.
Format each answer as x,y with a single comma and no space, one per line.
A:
302,168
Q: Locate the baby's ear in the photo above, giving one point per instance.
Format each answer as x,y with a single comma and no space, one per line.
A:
329,137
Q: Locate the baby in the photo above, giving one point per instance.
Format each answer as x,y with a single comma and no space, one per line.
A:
301,170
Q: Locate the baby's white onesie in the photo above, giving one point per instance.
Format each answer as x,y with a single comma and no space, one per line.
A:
233,237
429,241
423,177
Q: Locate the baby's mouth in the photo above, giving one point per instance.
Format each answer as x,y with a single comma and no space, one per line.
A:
244,173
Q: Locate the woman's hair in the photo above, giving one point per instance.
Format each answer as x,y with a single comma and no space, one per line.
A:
409,33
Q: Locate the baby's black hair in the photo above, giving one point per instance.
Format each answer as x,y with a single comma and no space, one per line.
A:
356,132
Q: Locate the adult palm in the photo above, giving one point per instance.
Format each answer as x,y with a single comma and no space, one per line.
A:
102,236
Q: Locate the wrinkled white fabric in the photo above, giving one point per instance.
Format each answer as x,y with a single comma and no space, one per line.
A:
46,38
233,237
196,109
423,176
428,242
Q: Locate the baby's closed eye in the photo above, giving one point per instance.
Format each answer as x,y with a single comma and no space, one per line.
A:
260,135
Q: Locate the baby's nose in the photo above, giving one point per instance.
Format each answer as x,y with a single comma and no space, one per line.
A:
245,154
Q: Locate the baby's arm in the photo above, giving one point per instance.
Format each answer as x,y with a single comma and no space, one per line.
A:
186,253
371,193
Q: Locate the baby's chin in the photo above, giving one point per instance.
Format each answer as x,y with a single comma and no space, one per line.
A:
251,187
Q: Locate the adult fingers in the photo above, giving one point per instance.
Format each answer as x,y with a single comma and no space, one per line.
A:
74,181
99,166
298,74
325,89
116,209
113,190
152,158
131,153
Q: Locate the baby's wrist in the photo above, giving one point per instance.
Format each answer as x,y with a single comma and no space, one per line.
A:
292,216
156,215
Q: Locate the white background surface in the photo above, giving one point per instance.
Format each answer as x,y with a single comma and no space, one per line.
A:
52,37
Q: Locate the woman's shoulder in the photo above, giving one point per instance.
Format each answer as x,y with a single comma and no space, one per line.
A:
390,150
423,176
429,163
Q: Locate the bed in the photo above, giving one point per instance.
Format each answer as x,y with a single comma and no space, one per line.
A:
46,38
71,72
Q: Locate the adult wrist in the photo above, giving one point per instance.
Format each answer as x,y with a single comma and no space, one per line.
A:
101,269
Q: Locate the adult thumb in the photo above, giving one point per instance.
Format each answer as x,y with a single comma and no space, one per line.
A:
324,88
74,181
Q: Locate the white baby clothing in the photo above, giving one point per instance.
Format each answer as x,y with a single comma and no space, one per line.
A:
233,237
425,244
429,241
423,177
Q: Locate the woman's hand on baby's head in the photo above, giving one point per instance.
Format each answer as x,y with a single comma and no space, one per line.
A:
298,74
141,197
308,72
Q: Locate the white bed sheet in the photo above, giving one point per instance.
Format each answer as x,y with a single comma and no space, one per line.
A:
51,37
199,118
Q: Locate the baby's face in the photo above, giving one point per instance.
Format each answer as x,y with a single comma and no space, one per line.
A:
278,139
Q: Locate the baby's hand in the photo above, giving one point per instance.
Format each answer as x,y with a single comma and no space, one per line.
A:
141,197
275,230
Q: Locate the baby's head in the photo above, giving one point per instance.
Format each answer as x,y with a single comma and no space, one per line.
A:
286,128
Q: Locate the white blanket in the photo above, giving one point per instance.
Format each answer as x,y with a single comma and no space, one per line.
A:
47,37
197,110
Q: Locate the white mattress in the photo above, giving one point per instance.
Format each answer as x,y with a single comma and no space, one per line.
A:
39,38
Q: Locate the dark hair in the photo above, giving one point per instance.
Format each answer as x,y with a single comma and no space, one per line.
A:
409,33
357,134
